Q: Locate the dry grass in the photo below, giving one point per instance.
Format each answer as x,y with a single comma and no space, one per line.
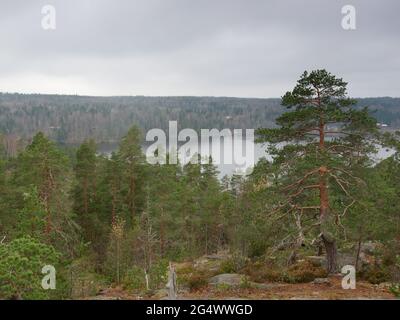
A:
334,291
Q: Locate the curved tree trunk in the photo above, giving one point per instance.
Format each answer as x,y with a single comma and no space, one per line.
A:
331,255
327,238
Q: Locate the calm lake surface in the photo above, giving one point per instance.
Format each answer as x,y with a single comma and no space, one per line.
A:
259,151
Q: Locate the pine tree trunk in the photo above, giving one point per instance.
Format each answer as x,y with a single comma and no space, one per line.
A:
206,239
331,255
86,197
327,237
131,201
113,202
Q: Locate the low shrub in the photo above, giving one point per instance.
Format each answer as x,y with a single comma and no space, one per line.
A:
246,283
302,272
395,289
197,281
158,274
262,272
376,275
233,264
189,277
223,287
134,278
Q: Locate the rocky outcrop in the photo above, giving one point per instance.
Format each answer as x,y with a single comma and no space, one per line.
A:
371,247
367,256
211,263
229,279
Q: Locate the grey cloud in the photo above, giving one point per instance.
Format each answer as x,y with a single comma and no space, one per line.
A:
187,47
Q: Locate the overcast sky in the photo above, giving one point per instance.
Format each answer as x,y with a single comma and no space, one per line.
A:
238,48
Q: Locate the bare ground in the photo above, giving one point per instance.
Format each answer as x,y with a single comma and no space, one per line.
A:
274,291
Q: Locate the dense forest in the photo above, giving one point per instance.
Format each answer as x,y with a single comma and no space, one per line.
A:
73,119
118,221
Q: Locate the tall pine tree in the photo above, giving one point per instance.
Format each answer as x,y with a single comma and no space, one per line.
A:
318,145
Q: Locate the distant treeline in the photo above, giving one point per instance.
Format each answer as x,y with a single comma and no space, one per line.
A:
72,119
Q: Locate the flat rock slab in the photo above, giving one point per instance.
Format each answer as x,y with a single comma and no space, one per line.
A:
230,279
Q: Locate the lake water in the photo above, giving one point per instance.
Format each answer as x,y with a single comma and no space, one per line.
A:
252,154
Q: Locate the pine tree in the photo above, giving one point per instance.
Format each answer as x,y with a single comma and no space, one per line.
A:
45,167
85,190
323,141
190,204
131,158
211,216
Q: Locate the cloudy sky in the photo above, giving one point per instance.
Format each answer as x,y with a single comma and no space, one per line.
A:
239,48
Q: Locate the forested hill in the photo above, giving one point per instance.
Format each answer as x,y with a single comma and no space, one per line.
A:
71,119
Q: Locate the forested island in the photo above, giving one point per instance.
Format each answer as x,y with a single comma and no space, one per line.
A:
112,226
